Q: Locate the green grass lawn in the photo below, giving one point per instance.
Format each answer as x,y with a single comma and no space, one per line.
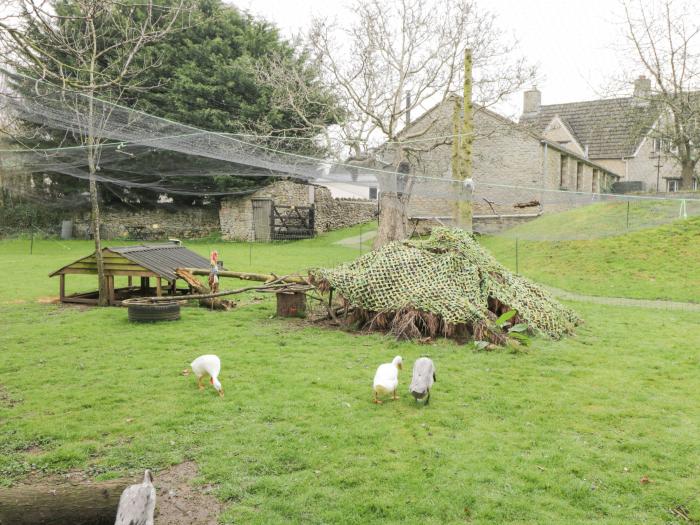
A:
661,262
560,434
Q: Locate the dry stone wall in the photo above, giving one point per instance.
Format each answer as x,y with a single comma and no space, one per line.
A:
152,224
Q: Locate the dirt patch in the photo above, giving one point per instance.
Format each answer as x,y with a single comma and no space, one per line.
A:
179,502
48,300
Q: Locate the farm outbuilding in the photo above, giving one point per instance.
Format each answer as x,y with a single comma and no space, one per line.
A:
157,261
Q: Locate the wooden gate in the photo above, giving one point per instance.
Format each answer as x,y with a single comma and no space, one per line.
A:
262,214
292,222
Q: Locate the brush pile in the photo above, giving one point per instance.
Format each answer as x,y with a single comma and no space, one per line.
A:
447,285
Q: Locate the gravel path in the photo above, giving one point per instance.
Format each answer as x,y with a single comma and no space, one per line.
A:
624,301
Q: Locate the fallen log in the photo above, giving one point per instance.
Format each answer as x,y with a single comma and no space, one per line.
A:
203,291
245,276
85,504
267,287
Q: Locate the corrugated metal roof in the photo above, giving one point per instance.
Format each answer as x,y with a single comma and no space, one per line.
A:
162,259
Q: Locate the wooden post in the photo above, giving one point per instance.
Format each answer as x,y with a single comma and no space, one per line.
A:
62,287
110,289
129,281
159,290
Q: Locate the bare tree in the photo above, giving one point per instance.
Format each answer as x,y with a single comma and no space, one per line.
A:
93,49
388,49
664,37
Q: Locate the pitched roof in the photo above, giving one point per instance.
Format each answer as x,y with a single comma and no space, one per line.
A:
161,259
611,128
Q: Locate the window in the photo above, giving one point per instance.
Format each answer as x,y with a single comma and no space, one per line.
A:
579,176
373,194
672,185
696,184
656,145
563,166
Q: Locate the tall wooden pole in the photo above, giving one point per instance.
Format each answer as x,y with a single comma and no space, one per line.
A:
463,208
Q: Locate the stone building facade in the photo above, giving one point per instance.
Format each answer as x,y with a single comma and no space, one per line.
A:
617,134
238,220
512,166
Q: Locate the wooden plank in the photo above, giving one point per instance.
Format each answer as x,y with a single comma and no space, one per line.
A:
62,287
135,267
129,281
85,271
79,300
159,290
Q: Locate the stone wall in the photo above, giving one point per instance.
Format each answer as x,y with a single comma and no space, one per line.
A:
236,215
152,224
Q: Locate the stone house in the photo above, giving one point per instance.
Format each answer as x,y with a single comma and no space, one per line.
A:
516,171
615,133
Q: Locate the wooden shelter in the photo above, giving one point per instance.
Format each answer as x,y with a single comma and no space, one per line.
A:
158,261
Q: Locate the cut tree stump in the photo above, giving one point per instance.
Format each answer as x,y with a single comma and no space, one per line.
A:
291,304
93,504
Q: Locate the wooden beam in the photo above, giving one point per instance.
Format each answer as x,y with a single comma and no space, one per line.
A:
129,281
80,300
62,287
159,290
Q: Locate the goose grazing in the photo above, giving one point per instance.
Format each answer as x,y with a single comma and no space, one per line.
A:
208,365
386,379
137,503
423,379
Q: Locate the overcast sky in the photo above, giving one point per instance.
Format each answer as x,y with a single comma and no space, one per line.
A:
573,41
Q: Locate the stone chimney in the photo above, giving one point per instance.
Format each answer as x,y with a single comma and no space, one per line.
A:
531,102
642,88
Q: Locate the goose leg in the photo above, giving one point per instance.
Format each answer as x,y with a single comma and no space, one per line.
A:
376,400
427,399
394,397
199,383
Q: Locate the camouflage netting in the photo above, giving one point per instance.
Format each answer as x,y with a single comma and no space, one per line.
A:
446,285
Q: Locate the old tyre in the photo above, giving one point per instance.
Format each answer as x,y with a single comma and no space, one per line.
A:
150,313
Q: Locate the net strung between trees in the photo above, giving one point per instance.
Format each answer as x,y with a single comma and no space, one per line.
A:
446,285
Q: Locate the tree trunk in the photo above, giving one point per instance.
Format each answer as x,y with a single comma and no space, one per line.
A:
95,220
687,175
93,504
393,218
463,207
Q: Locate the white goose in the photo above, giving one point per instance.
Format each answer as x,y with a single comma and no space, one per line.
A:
386,379
208,365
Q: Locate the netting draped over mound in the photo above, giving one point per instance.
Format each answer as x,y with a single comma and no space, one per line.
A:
445,285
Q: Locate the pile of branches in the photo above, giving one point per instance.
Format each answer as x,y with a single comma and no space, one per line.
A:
446,286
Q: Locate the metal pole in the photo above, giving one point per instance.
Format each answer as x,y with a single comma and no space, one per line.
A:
628,215
361,232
